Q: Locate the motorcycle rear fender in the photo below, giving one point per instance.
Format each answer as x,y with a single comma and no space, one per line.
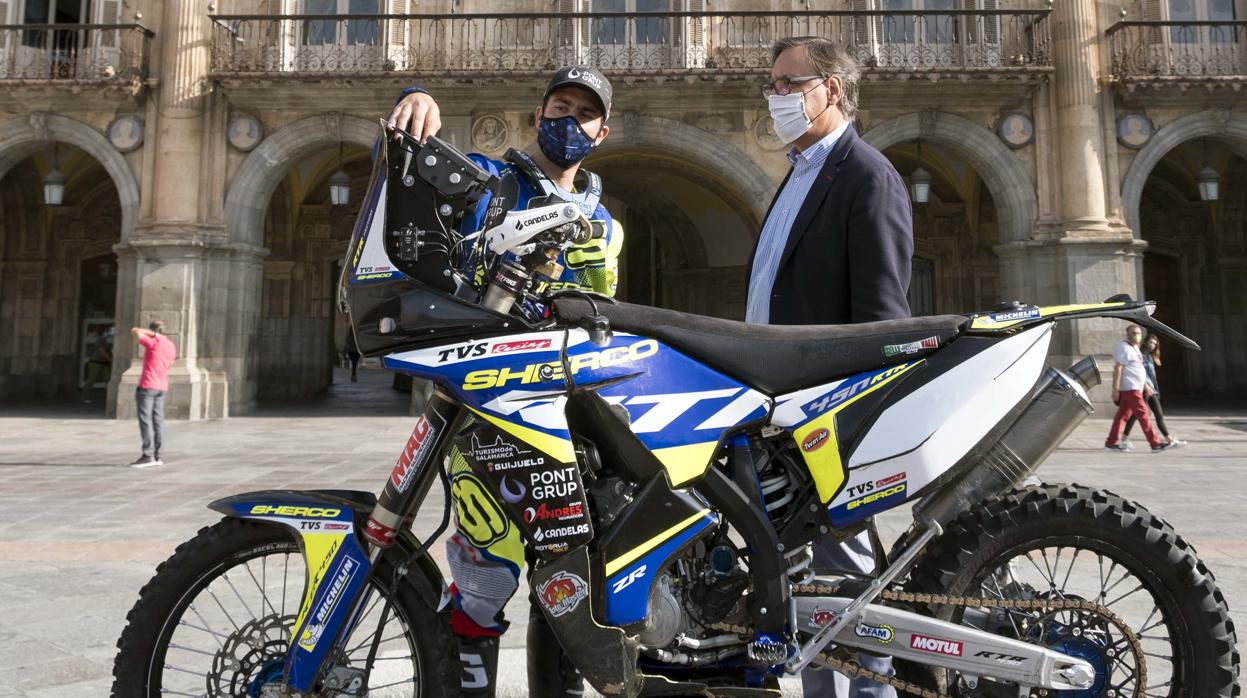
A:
325,523
1121,307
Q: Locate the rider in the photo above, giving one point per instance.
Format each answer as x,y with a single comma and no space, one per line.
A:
571,121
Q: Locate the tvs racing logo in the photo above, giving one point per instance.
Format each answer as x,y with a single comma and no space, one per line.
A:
526,345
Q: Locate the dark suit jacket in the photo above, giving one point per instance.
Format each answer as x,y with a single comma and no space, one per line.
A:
849,252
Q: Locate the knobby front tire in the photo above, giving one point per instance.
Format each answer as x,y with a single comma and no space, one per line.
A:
216,619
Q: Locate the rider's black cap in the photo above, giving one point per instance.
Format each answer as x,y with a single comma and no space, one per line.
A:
585,77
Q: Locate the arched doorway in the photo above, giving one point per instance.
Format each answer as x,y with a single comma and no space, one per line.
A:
58,278
954,269
1194,263
306,235
687,234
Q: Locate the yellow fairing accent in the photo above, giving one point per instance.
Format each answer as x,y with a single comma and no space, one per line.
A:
559,449
620,562
986,323
685,463
824,462
318,552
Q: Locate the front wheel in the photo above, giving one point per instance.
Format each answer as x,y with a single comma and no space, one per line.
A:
1074,543
216,620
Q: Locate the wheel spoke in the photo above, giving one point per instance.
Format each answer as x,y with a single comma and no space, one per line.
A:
225,639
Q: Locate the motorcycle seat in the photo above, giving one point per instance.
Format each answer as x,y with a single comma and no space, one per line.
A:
776,359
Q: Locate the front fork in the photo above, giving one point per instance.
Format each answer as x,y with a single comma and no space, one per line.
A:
337,589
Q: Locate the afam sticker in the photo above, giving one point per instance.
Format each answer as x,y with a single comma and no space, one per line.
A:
562,593
883,634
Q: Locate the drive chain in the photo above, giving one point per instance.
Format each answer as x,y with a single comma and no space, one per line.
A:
840,661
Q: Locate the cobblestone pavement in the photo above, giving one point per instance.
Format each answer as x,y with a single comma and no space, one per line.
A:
80,533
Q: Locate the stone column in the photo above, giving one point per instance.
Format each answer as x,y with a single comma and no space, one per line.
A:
166,261
1078,253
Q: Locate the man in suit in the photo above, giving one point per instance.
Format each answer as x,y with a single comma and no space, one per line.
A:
835,248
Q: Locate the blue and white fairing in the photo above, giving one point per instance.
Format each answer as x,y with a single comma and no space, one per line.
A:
679,408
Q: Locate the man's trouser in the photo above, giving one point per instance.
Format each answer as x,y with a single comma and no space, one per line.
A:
1130,403
151,406
1153,404
486,554
854,555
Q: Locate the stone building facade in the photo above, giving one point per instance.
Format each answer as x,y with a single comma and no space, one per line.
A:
1068,151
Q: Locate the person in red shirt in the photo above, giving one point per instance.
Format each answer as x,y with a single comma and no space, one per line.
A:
158,355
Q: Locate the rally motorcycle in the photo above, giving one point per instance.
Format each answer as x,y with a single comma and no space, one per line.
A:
670,475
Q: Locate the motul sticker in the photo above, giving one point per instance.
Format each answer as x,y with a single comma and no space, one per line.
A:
562,593
815,441
935,645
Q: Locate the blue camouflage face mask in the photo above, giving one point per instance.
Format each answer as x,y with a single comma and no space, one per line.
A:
563,140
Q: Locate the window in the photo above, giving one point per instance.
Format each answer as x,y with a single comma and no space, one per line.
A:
352,32
1198,11
643,31
909,29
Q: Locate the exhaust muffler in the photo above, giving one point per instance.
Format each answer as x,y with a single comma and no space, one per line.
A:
1058,404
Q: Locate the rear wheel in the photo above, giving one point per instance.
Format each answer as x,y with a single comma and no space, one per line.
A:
216,620
1070,542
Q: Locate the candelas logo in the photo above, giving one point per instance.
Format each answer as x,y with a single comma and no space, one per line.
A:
815,441
562,593
553,370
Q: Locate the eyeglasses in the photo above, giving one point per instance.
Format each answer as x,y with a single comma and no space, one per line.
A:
784,85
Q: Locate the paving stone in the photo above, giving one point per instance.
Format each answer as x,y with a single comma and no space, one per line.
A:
80,533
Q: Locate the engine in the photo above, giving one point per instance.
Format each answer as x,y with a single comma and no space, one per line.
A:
706,589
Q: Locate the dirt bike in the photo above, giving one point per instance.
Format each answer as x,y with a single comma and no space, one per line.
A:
671,475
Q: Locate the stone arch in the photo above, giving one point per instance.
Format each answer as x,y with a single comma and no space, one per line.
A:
252,187
718,160
21,138
1216,123
1006,176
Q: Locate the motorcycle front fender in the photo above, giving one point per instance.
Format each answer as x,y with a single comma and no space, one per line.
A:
326,522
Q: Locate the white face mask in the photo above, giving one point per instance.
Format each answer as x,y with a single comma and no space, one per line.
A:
788,113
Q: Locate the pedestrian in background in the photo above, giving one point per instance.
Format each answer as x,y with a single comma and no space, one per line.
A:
1151,359
1130,391
158,355
352,354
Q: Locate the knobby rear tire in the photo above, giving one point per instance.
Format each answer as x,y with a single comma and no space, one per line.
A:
214,548
986,535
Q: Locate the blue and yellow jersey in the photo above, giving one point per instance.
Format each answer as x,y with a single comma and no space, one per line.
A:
593,266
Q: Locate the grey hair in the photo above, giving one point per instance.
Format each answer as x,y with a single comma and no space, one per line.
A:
829,58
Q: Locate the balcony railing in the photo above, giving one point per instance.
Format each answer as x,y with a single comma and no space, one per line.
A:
108,53
641,44
1179,51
